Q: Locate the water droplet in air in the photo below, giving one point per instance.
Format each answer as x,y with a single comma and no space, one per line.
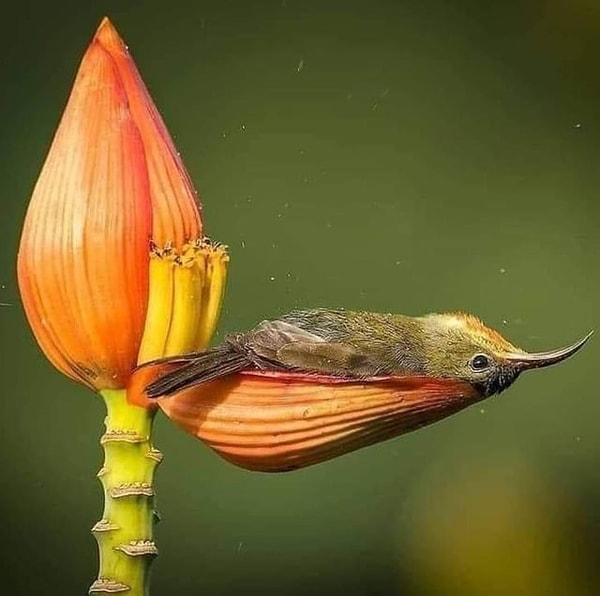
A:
301,64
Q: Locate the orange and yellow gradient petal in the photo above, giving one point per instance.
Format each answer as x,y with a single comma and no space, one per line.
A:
113,267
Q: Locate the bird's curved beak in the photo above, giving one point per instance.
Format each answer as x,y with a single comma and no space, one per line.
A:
526,360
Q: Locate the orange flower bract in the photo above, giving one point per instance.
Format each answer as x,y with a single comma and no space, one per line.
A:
114,227
280,421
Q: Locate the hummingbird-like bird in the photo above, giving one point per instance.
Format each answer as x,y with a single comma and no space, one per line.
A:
364,346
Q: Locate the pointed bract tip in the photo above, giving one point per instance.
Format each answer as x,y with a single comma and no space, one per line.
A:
104,26
108,36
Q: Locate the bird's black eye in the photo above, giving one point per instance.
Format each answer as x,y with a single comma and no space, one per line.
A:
479,362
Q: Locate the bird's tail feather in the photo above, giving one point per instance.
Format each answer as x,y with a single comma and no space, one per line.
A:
207,366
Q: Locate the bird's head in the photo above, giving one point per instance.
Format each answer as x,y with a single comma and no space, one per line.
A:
460,346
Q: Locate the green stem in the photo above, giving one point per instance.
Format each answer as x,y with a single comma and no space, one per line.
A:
124,534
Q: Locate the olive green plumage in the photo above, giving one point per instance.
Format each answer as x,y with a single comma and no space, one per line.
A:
364,346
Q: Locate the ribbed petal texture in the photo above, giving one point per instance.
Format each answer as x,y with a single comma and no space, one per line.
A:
112,192
175,207
83,260
278,422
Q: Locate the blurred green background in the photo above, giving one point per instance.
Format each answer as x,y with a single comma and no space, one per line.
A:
401,156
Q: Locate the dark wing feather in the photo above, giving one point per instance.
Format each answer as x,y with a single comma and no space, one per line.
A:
204,367
267,338
272,345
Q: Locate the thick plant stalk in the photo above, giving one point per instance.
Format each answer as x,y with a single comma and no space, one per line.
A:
125,532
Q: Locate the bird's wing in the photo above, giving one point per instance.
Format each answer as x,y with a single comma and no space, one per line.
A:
270,336
271,346
278,344
200,368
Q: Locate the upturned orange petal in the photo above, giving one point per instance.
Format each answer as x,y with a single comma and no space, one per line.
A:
276,422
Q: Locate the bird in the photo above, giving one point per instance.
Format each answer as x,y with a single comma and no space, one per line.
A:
338,344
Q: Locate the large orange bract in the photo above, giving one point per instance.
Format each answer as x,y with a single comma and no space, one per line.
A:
275,422
113,267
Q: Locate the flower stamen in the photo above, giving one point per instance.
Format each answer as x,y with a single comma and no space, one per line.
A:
185,293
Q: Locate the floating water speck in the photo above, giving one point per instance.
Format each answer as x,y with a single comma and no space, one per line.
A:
300,64
577,125
502,270
272,278
243,127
